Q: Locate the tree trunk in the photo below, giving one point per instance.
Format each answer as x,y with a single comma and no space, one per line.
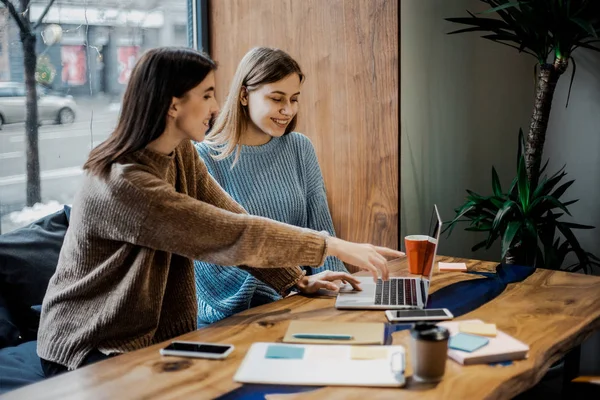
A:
547,79
31,122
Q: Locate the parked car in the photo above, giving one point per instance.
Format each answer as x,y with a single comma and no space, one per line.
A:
53,106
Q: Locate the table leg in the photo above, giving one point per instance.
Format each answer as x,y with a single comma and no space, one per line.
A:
571,370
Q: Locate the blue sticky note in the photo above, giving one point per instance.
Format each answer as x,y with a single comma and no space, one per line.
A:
501,363
288,352
466,342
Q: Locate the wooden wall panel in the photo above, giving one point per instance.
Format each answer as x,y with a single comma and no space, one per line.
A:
348,50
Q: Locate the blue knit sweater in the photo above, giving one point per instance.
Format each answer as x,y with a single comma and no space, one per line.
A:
280,180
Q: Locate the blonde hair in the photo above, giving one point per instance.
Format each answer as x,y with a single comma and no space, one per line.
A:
260,66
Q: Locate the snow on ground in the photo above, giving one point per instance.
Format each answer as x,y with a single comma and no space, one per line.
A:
28,215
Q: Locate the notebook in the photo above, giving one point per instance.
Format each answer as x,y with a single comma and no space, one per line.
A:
361,332
503,347
323,365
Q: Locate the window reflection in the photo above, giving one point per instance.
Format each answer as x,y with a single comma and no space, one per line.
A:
85,52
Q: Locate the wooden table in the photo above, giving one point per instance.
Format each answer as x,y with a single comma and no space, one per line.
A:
551,311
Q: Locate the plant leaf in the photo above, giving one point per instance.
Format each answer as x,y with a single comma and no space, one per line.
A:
571,82
509,236
513,192
478,246
471,29
577,226
523,185
478,229
505,37
488,37
531,231
476,196
546,185
483,24
545,165
562,189
468,206
497,188
586,25
502,213
586,45
549,199
502,7
570,237
521,147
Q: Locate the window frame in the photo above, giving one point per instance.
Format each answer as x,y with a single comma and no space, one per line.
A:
198,37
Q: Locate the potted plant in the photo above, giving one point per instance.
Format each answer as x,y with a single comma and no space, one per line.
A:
527,216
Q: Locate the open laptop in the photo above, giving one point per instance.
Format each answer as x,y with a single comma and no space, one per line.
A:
396,293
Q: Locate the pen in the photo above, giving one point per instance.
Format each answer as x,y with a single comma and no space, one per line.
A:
325,336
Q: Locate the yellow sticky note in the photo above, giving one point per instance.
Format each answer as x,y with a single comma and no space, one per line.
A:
443,266
478,328
326,353
368,352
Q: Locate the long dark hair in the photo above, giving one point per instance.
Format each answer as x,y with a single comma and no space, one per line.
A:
159,75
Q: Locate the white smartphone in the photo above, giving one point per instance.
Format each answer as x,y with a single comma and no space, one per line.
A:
432,314
198,350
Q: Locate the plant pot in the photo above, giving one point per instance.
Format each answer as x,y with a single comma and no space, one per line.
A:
515,256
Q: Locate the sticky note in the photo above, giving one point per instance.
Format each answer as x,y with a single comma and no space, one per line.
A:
326,353
466,342
368,352
444,266
288,352
478,328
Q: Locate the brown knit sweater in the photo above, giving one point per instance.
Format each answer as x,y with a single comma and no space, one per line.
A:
125,278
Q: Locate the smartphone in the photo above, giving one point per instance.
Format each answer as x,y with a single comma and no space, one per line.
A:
432,314
198,350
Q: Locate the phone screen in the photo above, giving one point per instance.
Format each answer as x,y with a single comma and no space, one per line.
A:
420,313
198,348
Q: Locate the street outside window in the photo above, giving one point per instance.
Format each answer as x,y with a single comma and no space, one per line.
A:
85,51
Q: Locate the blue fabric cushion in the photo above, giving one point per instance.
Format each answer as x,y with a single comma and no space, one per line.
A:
28,258
19,366
9,333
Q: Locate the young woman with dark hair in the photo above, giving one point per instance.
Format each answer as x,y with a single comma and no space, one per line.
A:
146,209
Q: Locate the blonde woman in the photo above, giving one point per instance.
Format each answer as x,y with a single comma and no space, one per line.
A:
272,171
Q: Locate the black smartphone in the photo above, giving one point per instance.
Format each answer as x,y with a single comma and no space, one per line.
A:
432,314
198,350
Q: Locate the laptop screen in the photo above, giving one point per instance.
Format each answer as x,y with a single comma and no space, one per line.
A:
435,229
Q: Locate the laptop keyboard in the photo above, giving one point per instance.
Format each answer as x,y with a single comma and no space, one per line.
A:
394,292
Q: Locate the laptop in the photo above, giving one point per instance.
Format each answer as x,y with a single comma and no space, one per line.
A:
396,293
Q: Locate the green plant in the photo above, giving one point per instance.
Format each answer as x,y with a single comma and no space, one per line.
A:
527,219
539,28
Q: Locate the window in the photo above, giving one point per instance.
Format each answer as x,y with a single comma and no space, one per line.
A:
85,52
